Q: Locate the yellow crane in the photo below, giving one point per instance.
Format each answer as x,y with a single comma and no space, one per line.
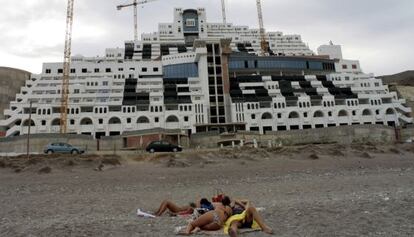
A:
135,4
263,43
66,68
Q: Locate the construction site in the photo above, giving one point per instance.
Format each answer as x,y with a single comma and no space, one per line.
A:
319,147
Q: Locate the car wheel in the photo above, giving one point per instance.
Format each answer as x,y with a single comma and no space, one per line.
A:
175,149
49,152
152,150
74,152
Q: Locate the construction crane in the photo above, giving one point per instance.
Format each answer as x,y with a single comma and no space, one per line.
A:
263,44
135,4
223,8
66,68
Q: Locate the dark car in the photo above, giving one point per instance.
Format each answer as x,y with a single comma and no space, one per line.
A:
163,146
60,147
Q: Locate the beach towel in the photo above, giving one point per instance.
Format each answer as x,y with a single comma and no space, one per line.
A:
144,214
179,231
238,217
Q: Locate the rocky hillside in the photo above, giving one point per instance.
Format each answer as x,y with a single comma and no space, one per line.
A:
402,79
11,81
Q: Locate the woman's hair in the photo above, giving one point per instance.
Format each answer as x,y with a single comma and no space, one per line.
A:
204,201
226,201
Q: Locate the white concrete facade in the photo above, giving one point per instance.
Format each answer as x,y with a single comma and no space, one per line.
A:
98,88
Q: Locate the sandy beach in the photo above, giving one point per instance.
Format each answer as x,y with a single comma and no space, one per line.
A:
314,190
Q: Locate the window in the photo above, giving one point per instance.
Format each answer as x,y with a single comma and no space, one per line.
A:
305,115
253,116
72,122
344,66
60,70
72,70
84,70
144,69
43,122
279,115
100,121
190,22
105,83
185,118
354,66
76,91
48,71
156,119
155,69
129,120
108,70
120,69
96,70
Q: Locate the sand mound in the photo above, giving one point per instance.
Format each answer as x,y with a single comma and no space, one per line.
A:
314,157
175,163
394,150
45,170
3,164
366,155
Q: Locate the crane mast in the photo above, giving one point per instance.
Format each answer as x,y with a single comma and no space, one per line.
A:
135,4
223,8
263,44
66,68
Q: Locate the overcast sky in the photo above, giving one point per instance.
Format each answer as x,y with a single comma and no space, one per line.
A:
380,33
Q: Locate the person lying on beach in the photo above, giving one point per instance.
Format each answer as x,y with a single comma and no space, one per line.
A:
212,220
244,216
175,209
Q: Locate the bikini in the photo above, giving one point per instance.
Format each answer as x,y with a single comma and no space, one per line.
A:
216,217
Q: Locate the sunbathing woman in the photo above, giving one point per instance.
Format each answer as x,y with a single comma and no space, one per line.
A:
175,209
246,217
212,220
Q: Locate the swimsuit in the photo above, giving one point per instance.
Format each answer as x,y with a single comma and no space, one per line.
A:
216,218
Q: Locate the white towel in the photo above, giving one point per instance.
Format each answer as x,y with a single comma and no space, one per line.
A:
144,214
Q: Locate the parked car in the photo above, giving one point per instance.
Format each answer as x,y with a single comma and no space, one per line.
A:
163,146
63,148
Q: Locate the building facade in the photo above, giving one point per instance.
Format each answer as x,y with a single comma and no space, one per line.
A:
198,76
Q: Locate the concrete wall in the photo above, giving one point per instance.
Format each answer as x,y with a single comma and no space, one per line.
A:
377,134
110,143
341,135
11,80
407,134
39,141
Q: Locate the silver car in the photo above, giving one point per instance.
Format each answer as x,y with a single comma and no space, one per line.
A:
59,147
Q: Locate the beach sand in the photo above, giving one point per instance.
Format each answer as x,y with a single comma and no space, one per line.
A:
311,190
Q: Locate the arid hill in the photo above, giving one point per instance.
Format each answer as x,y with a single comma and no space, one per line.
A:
402,79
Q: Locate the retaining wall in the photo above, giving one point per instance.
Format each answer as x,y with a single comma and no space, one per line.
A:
377,134
341,135
39,141
407,134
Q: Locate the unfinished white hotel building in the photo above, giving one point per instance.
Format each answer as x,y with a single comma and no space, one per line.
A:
199,76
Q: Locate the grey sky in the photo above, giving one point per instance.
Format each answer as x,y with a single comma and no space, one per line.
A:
380,33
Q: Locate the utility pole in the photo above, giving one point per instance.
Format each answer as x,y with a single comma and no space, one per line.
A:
28,132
